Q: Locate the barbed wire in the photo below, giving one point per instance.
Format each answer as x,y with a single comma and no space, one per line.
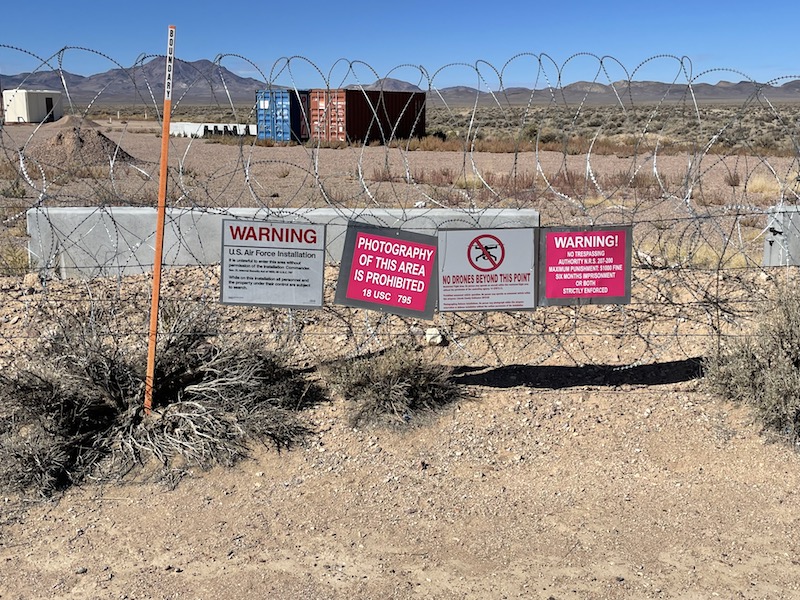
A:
696,179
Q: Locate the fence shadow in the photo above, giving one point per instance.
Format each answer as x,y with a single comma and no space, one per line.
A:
560,377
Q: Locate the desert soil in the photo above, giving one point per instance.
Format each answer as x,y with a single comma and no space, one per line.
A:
523,491
544,484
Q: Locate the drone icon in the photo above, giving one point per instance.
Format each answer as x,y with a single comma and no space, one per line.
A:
486,252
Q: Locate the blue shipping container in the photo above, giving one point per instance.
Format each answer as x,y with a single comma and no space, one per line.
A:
282,115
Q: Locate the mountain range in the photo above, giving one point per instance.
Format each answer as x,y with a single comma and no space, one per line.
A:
203,82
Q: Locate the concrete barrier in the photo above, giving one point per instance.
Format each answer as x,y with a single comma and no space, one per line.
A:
782,237
112,241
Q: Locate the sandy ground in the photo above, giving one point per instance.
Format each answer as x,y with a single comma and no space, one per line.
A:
632,491
222,176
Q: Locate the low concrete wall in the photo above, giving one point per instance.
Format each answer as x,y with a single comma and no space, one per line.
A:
782,237
91,242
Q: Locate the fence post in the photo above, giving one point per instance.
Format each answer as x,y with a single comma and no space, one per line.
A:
161,218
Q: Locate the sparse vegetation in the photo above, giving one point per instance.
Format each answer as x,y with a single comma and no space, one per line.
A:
760,184
383,173
13,238
732,179
13,257
468,182
397,387
762,369
602,129
74,405
15,189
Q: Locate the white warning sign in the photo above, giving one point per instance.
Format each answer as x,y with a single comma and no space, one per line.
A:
483,270
274,264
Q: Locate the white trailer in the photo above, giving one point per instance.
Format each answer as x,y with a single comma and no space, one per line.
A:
32,106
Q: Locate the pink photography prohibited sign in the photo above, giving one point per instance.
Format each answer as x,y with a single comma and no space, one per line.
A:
389,270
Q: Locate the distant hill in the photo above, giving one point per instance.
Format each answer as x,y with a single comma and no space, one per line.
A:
195,82
387,84
204,82
637,92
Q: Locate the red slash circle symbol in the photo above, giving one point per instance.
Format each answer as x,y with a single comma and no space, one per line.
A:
486,252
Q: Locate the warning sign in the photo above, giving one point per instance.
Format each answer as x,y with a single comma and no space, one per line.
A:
272,264
388,269
586,266
487,270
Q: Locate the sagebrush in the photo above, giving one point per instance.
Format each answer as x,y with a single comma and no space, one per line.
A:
74,405
762,369
397,387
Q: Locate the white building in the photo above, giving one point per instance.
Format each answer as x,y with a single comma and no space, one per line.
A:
32,106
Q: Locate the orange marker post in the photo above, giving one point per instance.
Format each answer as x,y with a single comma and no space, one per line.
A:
161,218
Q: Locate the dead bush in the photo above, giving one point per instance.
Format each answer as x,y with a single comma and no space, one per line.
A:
733,179
54,417
397,387
383,173
74,406
762,370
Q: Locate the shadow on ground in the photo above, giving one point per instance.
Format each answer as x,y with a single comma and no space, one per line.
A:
555,377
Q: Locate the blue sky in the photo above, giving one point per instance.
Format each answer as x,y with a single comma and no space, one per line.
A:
446,43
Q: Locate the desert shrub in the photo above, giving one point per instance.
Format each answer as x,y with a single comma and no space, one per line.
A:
733,179
434,143
468,181
450,198
709,198
761,184
752,220
504,145
8,169
74,406
516,180
548,136
54,418
443,176
567,181
14,189
762,369
13,247
13,257
383,173
644,180
397,387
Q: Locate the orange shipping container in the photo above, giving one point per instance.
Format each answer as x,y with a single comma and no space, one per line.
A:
355,115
